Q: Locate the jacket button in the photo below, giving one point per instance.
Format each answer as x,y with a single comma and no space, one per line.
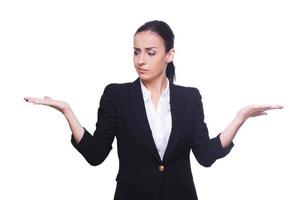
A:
161,168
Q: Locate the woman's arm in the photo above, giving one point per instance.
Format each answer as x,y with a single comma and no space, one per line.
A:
207,150
229,133
75,126
95,148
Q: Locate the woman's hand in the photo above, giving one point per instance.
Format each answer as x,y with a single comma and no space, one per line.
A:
252,110
256,110
48,101
65,109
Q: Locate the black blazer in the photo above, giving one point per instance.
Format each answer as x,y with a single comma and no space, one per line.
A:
142,174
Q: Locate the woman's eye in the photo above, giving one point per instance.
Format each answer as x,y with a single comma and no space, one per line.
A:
135,53
151,53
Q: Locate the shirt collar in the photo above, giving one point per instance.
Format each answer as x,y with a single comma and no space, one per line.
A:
147,93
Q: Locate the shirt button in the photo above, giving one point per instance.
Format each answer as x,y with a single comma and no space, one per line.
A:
161,168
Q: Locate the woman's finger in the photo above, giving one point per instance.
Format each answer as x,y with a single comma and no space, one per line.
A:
36,100
270,107
30,99
47,97
277,107
259,114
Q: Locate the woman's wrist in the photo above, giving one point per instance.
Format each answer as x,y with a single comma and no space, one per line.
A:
67,111
241,117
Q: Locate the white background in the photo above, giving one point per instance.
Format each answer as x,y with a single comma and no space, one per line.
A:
234,52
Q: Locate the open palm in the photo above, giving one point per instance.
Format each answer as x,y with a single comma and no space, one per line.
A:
48,101
257,110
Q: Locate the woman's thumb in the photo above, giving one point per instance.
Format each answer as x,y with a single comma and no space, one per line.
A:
47,97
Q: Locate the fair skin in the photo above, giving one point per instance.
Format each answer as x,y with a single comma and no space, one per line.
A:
150,61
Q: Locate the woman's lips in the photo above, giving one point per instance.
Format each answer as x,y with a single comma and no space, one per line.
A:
142,71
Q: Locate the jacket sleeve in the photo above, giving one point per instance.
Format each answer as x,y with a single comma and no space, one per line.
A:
95,148
205,150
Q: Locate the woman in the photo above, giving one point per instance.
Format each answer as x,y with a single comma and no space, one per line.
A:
156,124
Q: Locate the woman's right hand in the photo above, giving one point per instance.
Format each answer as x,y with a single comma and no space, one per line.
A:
48,101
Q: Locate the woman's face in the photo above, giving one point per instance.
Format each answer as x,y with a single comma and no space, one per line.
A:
150,57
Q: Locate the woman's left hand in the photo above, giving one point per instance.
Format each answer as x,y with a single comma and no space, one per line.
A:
248,111
256,110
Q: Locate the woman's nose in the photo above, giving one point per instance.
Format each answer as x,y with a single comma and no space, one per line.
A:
141,59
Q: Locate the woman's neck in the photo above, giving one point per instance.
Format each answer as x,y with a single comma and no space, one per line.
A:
156,86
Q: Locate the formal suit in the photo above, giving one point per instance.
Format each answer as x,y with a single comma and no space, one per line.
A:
142,174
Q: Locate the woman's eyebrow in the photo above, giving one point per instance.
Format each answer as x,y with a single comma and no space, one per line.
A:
147,48
150,48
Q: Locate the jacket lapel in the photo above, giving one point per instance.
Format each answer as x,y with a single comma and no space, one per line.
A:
175,104
139,113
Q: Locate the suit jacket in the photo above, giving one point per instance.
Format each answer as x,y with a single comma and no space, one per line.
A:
142,174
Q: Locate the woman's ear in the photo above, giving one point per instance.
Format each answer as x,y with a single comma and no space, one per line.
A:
170,55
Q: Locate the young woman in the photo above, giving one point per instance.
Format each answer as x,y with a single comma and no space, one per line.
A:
156,123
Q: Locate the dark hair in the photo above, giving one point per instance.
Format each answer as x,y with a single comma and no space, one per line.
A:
165,32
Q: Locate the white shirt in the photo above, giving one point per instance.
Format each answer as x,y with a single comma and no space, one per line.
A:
160,120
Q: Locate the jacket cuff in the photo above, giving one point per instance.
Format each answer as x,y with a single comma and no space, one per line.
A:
218,150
